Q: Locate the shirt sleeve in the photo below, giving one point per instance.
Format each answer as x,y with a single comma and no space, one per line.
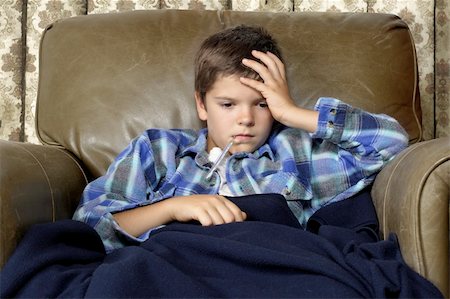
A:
350,147
366,135
127,184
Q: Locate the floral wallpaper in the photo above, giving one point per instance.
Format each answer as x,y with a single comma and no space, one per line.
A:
429,21
11,122
442,67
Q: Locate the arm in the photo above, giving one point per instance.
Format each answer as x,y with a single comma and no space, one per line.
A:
366,135
204,208
125,202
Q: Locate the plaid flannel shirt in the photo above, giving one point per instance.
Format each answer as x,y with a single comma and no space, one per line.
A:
341,158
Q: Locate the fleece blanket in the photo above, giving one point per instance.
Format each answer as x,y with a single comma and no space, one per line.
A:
269,255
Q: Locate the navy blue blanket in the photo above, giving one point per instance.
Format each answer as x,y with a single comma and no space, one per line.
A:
267,256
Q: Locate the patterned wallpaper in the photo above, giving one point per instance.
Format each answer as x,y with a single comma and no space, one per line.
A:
429,21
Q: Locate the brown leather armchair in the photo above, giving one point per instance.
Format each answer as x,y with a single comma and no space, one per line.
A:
106,78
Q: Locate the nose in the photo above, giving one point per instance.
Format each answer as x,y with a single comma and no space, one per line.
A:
246,117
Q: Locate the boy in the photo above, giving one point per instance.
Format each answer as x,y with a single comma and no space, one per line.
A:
312,158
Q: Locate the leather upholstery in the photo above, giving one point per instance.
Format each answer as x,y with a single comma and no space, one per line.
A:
106,78
412,199
37,184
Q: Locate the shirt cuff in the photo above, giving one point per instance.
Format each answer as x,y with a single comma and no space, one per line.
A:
332,114
113,236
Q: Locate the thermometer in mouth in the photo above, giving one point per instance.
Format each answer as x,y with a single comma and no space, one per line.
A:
222,155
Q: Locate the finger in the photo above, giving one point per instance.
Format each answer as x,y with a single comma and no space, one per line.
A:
258,67
228,211
257,85
204,212
237,214
269,61
219,210
209,217
203,217
279,64
216,215
226,214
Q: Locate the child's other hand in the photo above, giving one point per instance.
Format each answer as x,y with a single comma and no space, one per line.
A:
206,209
274,89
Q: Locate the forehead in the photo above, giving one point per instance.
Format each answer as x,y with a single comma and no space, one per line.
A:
231,87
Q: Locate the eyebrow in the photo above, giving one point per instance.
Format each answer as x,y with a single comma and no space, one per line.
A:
233,99
224,98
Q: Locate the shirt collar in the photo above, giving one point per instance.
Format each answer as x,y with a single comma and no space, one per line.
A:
264,150
198,145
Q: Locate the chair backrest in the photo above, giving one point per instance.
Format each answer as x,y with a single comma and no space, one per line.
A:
104,79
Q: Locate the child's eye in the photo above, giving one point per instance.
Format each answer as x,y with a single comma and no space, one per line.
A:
226,105
263,105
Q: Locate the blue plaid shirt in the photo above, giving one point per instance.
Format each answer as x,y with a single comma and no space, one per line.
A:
342,157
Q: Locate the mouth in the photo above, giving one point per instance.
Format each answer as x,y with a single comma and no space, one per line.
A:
241,138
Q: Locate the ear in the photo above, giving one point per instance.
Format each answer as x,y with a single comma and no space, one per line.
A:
201,107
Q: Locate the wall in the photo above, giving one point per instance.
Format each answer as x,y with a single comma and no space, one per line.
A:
22,21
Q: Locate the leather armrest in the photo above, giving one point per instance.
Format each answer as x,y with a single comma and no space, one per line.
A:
37,184
411,196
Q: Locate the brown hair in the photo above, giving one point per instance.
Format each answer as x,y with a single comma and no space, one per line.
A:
221,54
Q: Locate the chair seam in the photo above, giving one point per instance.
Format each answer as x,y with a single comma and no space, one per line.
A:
419,202
64,151
47,178
416,231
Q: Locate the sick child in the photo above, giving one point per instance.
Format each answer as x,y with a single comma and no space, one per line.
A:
311,157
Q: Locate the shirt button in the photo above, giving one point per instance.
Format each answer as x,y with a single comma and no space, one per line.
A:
333,111
330,124
286,191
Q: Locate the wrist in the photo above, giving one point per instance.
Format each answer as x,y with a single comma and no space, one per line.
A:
167,208
300,118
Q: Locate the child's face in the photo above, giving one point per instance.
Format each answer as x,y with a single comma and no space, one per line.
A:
234,110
